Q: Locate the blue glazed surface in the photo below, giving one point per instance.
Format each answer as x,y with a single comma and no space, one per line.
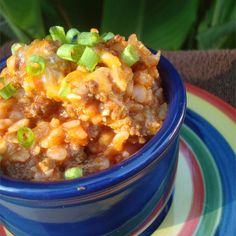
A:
105,201
2,63
100,211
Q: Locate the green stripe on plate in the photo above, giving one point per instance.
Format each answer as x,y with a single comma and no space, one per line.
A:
213,189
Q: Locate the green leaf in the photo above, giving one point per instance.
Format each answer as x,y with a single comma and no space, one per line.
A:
222,11
218,12
205,22
51,14
16,31
218,26
82,15
5,29
216,36
157,23
24,18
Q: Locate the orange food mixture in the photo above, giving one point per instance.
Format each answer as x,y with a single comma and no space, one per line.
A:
107,115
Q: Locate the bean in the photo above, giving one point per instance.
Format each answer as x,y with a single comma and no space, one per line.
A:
140,93
57,153
119,139
106,138
77,133
21,156
46,164
163,111
54,123
71,124
5,123
101,163
143,78
19,124
55,137
3,145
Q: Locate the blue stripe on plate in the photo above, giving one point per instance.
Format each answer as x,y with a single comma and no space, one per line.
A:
225,160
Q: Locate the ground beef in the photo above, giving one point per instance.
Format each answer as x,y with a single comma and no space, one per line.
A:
79,118
39,107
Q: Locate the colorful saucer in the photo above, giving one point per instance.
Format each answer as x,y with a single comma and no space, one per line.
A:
204,201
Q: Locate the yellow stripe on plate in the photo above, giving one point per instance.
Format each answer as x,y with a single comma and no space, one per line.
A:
8,233
215,117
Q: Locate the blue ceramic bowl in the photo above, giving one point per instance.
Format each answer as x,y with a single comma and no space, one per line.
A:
118,201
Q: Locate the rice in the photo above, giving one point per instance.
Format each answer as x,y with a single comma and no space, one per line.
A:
105,117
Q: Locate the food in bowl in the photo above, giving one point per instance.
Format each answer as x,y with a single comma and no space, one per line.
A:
77,103
83,205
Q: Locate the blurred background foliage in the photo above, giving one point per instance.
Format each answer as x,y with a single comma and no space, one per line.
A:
160,24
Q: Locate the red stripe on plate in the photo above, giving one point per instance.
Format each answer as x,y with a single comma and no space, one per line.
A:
214,100
198,191
2,231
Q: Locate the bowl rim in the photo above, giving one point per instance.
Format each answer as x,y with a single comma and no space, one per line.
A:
102,181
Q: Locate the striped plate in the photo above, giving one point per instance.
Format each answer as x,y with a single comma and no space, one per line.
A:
204,202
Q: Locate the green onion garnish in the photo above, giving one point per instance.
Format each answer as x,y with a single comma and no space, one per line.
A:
2,80
88,38
7,91
1,158
107,36
130,55
65,89
58,33
36,65
71,35
15,47
70,52
25,137
48,37
73,173
89,59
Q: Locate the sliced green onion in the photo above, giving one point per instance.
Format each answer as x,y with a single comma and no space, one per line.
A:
25,136
88,38
7,91
2,80
36,65
15,47
58,33
73,173
48,37
71,35
1,158
70,52
107,36
89,59
64,90
130,55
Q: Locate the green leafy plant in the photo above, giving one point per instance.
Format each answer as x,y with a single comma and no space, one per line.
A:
157,23
170,25
218,27
23,18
